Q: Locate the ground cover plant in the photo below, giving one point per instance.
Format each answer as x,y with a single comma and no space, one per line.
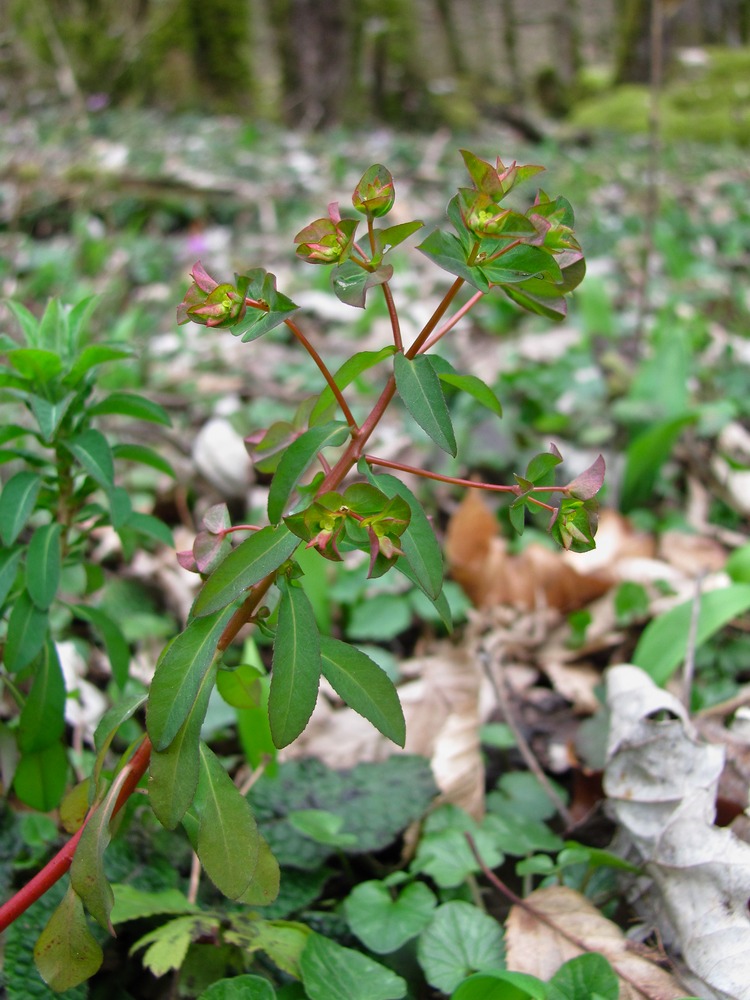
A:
404,919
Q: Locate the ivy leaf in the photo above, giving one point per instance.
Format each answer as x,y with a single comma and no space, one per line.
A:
296,459
364,686
296,667
180,675
66,952
256,557
460,940
419,388
383,924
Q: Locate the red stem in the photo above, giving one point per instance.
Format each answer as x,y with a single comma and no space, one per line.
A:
322,367
54,870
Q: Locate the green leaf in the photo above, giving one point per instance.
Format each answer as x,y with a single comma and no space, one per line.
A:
48,414
364,686
645,457
321,826
33,363
130,404
471,384
384,923
27,630
16,504
262,287
663,644
387,239
520,263
227,842
43,564
449,253
419,388
502,985
145,456
180,675
87,870
67,953
256,557
351,283
92,452
140,904
42,720
380,618
241,687
41,777
152,527
240,988
588,975
174,772
123,709
443,852
296,667
345,375
418,542
331,972
91,357
297,457
9,561
167,945
460,940
115,642
26,320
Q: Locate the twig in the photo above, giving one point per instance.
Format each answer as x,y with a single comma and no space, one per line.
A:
542,917
523,746
688,671
195,878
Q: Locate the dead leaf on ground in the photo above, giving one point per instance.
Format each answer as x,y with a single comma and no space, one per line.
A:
536,948
662,780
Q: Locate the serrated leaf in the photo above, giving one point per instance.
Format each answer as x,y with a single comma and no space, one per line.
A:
345,375
256,557
115,642
42,720
332,972
16,504
364,686
296,667
227,842
663,644
174,772
91,450
460,940
384,923
143,455
419,388
131,404
41,777
180,675
167,946
67,953
43,564
296,459
27,630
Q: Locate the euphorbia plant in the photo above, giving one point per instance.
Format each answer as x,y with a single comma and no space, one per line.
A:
326,493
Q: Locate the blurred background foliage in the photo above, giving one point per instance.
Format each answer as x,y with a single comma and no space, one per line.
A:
416,63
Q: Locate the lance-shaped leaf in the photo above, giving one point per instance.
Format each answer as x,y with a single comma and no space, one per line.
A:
67,953
387,239
91,357
256,557
42,720
114,641
364,686
27,629
87,871
180,673
43,564
419,388
276,307
470,384
346,374
227,839
296,667
131,404
9,561
296,459
41,777
93,453
16,504
418,542
145,456
174,772
49,415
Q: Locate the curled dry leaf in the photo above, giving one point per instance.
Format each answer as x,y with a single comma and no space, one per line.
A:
662,783
564,924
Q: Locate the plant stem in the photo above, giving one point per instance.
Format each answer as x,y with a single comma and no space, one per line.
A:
353,426
54,870
446,327
433,321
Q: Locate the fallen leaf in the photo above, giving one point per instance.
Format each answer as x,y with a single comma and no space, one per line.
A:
535,947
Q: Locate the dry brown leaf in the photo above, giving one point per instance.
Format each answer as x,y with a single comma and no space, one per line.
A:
535,947
479,561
